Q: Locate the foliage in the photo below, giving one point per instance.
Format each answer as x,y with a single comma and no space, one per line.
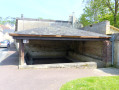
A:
100,10
93,83
84,20
110,18
9,20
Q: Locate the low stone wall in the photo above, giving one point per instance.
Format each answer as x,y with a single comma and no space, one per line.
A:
83,58
80,65
92,49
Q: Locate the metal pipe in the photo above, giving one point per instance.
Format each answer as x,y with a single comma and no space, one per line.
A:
113,39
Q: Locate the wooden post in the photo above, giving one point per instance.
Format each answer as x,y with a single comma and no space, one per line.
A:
21,53
107,53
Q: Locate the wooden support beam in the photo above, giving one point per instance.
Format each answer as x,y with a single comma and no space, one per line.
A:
21,53
59,36
107,53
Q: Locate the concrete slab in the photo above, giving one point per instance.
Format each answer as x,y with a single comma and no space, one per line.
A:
79,65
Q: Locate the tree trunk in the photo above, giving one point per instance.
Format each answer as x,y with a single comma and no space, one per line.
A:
115,20
116,11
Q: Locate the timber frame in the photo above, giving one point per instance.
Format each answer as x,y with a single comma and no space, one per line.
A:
55,36
21,53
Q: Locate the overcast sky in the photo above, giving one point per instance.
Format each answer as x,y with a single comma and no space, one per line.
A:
47,9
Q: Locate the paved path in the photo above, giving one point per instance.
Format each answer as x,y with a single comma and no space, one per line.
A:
11,78
3,53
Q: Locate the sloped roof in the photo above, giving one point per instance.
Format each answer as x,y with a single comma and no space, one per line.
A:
58,31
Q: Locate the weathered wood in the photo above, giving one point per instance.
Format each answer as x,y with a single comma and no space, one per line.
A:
21,53
61,38
107,53
64,36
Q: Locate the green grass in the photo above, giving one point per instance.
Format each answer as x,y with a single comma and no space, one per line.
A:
93,83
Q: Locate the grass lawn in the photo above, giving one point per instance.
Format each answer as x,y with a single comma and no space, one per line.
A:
93,83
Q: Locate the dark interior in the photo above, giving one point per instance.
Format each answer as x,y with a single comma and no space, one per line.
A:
50,60
52,52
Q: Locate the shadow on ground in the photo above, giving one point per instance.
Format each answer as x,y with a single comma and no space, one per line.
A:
11,57
110,70
5,49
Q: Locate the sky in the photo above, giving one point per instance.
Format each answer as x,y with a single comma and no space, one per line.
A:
46,9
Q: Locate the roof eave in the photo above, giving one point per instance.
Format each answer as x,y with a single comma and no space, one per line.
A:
58,36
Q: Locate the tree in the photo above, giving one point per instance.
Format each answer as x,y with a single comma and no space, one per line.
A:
92,11
10,20
115,10
84,20
97,10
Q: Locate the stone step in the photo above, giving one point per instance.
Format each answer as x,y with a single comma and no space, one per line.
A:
81,65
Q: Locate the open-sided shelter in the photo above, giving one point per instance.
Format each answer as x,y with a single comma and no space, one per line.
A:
55,40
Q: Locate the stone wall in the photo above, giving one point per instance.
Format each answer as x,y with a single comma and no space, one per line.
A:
26,25
82,58
92,49
116,53
116,50
88,51
47,49
101,27
31,24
